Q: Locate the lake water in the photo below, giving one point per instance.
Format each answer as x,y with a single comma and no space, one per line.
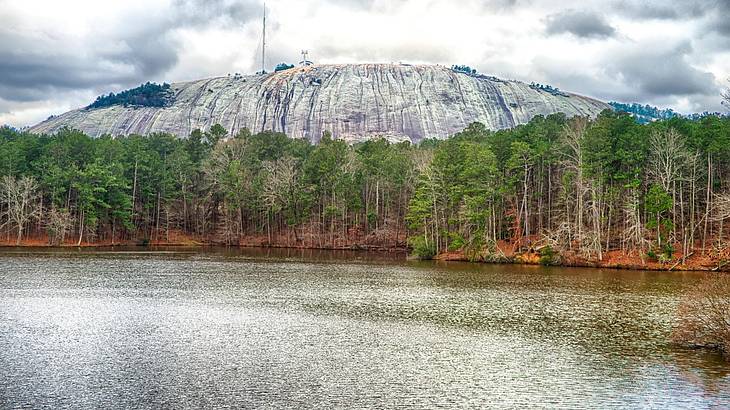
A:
251,328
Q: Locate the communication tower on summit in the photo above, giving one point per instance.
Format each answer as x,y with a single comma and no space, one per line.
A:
305,58
263,44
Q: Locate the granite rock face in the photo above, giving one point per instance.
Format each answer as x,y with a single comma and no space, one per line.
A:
353,101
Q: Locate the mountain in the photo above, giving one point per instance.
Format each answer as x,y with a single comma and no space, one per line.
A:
353,101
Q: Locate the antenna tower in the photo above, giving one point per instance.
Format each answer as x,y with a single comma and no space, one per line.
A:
263,44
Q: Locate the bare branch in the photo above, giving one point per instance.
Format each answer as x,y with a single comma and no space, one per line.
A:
20,196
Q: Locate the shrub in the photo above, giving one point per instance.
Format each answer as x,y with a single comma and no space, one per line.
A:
282,67
549,257
422,249
704,316
456,242
463,69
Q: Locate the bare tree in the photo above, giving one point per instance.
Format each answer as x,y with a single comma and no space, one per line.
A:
668,155
57,225
281,179
721,213
634,235
667,160
573,137
589,239
20,196
704,315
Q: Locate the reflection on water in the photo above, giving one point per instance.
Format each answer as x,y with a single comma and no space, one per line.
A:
300,328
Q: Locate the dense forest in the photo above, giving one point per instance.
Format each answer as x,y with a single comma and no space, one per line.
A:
564,189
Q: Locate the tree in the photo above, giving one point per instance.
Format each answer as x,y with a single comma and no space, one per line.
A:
20,197
231,178
102,194
58,223
282,67
520,165
704,316
216,133
667,157
573,139
281,190
658,205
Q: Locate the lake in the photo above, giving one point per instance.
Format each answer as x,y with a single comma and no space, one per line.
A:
215,328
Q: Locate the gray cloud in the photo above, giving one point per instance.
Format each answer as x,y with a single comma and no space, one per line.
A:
646,74
391,53
582,24
229,12
31,68
29,72
663,72
45,65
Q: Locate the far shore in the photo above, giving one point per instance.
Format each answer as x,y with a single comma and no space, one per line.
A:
612,260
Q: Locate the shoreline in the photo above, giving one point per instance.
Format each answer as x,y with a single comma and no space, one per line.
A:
694,263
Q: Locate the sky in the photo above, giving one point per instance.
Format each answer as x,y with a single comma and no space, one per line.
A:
59,55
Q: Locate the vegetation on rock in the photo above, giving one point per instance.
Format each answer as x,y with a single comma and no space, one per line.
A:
146,95
282,67
464,69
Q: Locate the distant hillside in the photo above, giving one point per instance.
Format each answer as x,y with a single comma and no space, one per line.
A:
354,102
645,114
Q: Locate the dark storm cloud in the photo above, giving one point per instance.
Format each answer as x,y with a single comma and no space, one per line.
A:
667,72
645,74
583,24
33,68
30,69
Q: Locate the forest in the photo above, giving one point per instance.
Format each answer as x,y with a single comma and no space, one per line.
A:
559,189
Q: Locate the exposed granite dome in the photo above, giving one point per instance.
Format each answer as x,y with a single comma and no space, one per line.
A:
353,101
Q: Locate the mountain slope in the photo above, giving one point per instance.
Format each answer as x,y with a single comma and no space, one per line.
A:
354,102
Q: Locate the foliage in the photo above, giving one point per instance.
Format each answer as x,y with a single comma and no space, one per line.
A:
282,67
548,256
585,187
463,69
644,114
146,95
548,89
658,204
422,248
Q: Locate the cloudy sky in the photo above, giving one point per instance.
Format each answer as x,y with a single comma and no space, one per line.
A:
59,55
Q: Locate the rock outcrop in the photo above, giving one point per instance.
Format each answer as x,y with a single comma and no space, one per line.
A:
353,101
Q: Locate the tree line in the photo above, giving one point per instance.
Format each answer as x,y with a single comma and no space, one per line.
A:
568,187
